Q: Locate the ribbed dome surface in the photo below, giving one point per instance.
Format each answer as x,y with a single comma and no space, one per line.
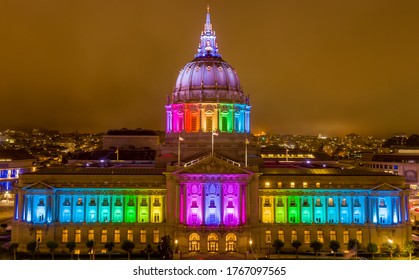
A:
208,79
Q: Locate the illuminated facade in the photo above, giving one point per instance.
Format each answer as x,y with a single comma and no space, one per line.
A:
211,203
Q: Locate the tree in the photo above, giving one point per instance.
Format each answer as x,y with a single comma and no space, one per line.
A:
165,248
128,246
52,245
316,246
278,245
148,251
409,247
31,247
389,248
372,248
13,248
109,247
334,245
296,244
90,245
71,246
353,245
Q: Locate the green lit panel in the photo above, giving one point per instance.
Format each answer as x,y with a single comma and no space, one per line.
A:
225,119
306,210
117,209
130,204
143,209
294,209
280,210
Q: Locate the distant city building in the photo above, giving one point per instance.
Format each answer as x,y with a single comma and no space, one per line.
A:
209,187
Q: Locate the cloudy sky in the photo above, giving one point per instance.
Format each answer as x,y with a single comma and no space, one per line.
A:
310,67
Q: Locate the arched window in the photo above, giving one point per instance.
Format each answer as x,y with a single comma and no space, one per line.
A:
231,242
194,242
212,242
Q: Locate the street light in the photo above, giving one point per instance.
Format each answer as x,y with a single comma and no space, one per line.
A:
176,248
250,245
390,241
269,248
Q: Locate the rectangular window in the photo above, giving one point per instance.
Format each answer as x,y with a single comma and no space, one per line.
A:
307,236
268,236
77,235
64,236
279,184
38,235
130,235
193,123
224,123
104,236
317,185
156,236
359,236
117,236
320,236
143,236
292,185
332,235
294,236
209,123
91,234
281,235
345,237
305,185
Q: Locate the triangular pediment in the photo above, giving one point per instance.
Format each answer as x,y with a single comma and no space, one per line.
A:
38,186
385,187
213,165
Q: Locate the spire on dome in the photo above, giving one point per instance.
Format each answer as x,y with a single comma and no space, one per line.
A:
208,46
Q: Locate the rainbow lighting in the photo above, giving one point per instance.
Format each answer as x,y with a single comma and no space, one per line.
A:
208,95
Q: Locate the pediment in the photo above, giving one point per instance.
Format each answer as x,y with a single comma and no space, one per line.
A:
385,187
213,165
38,186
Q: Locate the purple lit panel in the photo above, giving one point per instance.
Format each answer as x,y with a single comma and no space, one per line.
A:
193,204
231,204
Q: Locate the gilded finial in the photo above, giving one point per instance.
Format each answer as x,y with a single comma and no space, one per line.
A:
208,9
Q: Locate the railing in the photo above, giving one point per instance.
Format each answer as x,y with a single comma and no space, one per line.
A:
207,156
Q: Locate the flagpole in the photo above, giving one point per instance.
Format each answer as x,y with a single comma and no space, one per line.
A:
178,152
245,159
212,143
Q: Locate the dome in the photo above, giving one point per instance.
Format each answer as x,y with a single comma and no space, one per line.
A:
208,79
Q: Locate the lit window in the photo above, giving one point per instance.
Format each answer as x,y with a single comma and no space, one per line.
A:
281,235
307,236
267,184
332,235
317,185
156,236
91,234
143,236
359,236
130,235
292,185
305,185
279,184
268,236
77,235
320,236
117,236
345,237
64,236
294,236
104,236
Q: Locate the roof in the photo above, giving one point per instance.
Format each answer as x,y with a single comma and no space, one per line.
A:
101,171
15,154
143,154
396,158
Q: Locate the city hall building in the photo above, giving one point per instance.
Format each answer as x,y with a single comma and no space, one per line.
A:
208,187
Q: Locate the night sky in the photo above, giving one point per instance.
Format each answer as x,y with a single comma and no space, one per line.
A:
310,67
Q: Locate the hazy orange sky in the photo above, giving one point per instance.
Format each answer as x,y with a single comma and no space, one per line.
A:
310,67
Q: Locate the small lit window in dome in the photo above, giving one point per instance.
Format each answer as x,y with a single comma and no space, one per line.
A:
197,68
220,68
209,68
187,69
229,69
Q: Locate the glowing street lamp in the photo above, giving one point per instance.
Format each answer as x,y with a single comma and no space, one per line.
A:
250,245
176,247
390,241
